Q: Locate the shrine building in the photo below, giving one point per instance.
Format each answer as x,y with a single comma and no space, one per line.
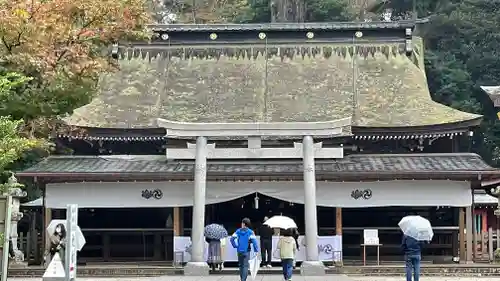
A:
330,123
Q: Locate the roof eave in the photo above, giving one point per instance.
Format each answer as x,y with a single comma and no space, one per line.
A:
461,126
311,26
329,176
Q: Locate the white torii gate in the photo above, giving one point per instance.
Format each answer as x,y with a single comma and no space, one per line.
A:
306,150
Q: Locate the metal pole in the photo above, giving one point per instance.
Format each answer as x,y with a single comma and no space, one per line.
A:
310,199
200,186
7,221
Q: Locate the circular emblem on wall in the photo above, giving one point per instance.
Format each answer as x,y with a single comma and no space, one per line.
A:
328,249
155,194
364,194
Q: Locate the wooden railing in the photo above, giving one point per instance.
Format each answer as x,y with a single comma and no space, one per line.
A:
486,243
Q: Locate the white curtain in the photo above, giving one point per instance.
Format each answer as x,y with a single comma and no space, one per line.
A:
329,194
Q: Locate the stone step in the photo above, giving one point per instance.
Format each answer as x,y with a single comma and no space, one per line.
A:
146,271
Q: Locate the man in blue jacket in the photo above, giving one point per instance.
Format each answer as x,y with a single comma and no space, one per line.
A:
241,241
412,249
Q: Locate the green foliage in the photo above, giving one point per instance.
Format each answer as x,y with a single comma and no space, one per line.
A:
12,145
10,81
462,54
255,11
35,100
497,254
329,10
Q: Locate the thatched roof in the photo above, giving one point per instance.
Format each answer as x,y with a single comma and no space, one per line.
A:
385,88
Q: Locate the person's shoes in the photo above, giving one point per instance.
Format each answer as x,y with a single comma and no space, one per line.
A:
269,266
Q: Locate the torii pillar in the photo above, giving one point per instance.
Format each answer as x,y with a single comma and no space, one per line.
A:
197,265
312,266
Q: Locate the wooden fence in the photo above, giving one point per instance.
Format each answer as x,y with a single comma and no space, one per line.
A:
486,243
30,245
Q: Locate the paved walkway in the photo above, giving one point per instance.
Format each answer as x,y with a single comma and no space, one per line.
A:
274,278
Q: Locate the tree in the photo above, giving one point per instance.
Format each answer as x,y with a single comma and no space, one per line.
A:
462,42
12,145
255,11
62,45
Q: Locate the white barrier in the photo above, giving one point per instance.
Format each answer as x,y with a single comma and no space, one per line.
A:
329,248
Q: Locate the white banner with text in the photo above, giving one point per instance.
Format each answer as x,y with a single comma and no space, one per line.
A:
329,248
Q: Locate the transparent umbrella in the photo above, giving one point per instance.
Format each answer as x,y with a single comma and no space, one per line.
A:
416,227
80,239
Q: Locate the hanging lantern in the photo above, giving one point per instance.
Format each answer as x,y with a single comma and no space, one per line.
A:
256,201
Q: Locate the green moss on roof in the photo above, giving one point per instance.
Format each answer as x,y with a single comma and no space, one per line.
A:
296,84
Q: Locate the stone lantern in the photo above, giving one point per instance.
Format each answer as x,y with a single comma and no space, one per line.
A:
13,188
495,191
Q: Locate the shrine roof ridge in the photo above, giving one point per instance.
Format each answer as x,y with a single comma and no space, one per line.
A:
312,26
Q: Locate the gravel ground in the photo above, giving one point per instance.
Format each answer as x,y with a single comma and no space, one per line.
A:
275,278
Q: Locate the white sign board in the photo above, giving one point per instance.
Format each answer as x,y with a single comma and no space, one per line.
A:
329,248
55,270
71,233
370,237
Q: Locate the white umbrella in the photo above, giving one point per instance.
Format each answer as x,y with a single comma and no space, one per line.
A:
416,227
80,239
280,222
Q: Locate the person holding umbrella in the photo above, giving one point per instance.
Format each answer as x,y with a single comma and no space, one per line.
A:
213,235
417,231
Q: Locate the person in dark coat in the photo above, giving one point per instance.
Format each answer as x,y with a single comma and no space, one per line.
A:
266,244
295,235
412,250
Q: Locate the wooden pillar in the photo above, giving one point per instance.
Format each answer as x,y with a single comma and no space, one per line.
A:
157,246
47,217
177,221
461,233
338,221
182,211
474,235
474,185
469,226
454,237
106,246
